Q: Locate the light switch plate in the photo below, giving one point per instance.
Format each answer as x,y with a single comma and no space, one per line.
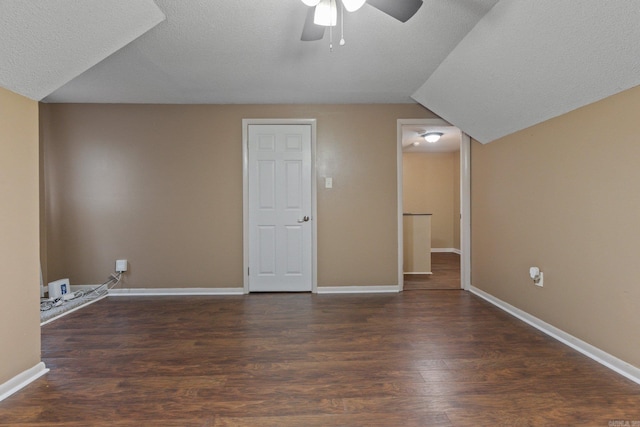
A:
328,182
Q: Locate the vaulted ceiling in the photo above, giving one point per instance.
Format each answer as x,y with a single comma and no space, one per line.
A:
489,67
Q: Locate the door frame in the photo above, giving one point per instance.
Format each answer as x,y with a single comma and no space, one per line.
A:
245,195
465,200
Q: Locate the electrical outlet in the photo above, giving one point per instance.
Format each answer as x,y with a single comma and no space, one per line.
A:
540,280
121,265
537,276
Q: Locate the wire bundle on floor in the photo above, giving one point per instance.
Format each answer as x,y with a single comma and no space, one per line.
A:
53,308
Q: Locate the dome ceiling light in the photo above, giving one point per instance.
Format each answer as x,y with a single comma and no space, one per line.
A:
432,136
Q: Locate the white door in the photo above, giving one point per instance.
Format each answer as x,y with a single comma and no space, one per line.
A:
280,231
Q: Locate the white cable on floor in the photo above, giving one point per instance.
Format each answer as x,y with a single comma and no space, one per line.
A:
114,279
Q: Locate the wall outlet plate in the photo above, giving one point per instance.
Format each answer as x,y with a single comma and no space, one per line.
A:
540,282
121,265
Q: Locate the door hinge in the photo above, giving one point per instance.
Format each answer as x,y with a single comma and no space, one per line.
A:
248,270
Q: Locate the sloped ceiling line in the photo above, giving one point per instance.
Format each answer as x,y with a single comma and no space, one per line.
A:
491,69
46,44
526,62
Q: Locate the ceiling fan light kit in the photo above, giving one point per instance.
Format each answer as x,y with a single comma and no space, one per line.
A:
324,13
353,5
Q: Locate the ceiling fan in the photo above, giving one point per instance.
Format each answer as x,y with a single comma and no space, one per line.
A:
323,13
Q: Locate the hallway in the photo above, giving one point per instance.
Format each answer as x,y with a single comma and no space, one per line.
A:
445,267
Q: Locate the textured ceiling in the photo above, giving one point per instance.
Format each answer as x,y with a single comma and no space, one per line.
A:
528,61
246,51
44,44
490,68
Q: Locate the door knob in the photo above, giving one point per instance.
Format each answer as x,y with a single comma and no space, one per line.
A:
305,219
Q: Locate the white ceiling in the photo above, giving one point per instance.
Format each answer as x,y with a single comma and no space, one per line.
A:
246,51
529,61
524,62
44,44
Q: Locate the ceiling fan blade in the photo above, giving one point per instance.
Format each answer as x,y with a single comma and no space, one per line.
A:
311,31
402,10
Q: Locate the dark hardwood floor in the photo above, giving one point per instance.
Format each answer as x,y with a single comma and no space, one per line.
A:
445,268
421,358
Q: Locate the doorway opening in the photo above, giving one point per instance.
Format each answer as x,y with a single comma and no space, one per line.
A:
435,208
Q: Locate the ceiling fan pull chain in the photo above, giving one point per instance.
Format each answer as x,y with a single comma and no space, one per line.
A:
342,42
330,39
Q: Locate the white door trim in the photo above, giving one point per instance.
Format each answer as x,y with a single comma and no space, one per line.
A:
245,194
465,199
465,211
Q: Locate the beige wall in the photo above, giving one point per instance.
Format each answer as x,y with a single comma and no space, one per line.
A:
563,195
161,185
429,186
20,279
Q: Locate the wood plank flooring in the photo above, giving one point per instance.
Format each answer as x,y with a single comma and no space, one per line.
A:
421,358
445,268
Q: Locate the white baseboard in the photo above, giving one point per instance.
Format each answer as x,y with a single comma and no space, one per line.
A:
417,272
146,292
22,380
453,250
82,287
620,366
240,291
357,289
